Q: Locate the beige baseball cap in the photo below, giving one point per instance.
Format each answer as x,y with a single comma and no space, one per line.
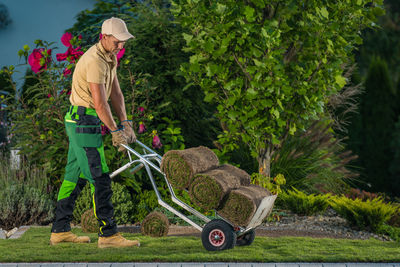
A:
117,28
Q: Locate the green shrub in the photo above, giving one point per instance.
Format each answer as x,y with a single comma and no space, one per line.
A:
392,232
25,197
82,204
370,214
313,160
395,219
89,222
303,204
146,203
121,199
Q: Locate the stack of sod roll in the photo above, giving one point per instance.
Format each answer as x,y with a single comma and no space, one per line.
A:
224,188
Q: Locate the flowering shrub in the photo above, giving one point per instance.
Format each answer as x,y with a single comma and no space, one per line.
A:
38,112
39,59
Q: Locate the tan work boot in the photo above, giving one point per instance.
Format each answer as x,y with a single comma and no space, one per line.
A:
56,238
116,241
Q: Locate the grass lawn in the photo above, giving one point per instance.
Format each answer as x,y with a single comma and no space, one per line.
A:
34,246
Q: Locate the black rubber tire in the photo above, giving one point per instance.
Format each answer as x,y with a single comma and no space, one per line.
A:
246,239
218,235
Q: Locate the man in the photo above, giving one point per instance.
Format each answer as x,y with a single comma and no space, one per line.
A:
94,82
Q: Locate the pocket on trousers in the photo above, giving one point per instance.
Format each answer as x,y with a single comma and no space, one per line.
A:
88,136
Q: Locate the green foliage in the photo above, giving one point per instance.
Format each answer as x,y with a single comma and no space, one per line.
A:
377,127
383,42
392,232
82,204
314,160
25,197
156,52
89,222
121,199
394,167
303,204
366,215
272,184
259,63
147,202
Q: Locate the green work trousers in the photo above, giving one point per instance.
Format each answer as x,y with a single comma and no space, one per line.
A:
86,162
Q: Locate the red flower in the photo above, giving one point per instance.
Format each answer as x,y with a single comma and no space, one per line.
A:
80,37
66,39
67,72
72,54
142,127
120,55
69,92
100,36
62,56
38,59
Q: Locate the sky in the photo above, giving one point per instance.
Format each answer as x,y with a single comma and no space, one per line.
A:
31,20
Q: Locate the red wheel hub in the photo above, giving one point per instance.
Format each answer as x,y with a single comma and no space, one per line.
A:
216,237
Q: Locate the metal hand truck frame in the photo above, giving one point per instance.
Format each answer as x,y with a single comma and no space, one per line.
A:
216,234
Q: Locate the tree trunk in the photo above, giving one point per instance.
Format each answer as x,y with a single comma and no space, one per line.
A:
264,161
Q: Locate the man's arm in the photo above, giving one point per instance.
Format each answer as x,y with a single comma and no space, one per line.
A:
117,100
100,104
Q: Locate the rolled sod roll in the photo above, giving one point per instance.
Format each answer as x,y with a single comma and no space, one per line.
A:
180,166
240,204
155,224
208,188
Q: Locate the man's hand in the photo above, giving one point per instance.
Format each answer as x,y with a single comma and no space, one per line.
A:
128,131
119,139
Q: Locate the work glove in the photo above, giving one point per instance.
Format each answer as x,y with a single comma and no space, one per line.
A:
128,131
118,138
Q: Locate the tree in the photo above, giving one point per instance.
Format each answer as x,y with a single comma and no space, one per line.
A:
394,164
377,122
270,65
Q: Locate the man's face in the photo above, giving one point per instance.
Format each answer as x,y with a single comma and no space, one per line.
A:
112,44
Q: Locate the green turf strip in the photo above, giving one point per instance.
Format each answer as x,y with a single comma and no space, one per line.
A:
34,246
177,171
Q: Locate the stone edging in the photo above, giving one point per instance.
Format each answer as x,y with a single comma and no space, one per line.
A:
14,233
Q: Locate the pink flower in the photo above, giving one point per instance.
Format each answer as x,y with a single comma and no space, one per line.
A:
67,72
100,36
104,130
38,60
141,110
120,55
156,141
69,92
66,39
49,95
80,37
142,127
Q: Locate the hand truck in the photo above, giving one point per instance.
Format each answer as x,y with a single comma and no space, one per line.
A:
216,234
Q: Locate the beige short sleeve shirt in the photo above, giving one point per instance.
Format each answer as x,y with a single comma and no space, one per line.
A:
95,66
